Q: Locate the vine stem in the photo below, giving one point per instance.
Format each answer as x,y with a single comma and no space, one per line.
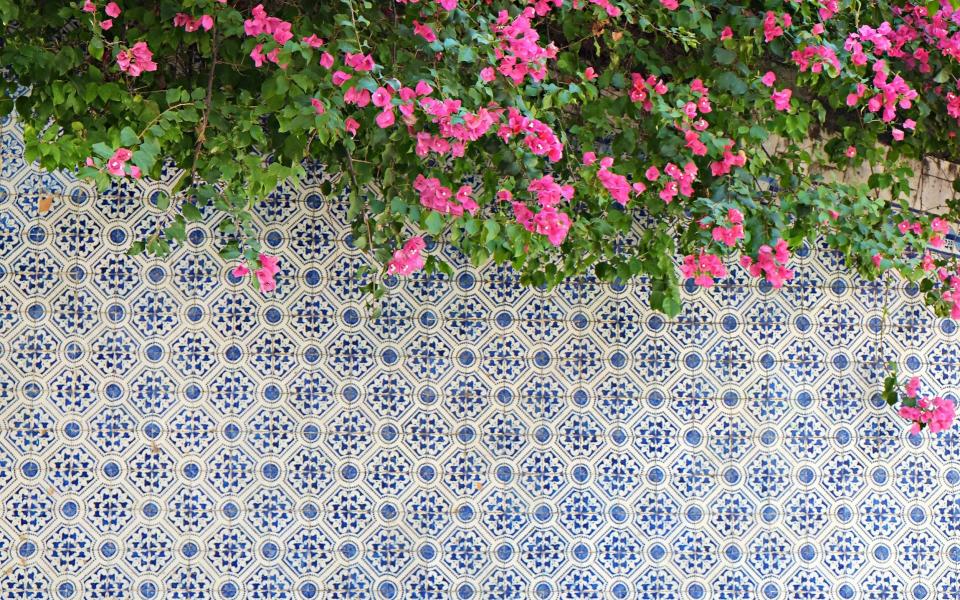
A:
202,130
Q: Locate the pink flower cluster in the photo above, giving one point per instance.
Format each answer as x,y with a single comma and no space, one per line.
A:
951,294
262,23
618,185
703,268
814,57
771,29
519,54
435,196
936,413
424,31
112,9
270,266
537,135
781,99
681,181
117,164
729,160
770,264
190,24
136,60
456,129
892,94
409,259
641,88
548,192
447,5
730,235
549,222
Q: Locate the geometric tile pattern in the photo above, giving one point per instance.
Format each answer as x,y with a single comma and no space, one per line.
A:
166,432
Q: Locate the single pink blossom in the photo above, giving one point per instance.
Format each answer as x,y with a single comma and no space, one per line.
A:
313,41
768,79
106,24
112,10
781,99
317,106
385,119
726,34
326,60
350,125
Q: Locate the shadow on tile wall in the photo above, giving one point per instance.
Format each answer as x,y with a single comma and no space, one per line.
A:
166,432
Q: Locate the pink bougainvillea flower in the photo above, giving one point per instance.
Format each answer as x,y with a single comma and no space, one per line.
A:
913,386
726,34
326,60
136,60
424,31
670,4
115,167
589,158
770,264
768,79
703,268
106,24
112,10
590,74
135,172
447,5
317,106
340,78
351,125
385,118
781,99
240,270
487,74
89,7
408,259
897,134
851,151
312,40
382,97
652,174
423,88
935,413
359,62
267,272
257,55
553,224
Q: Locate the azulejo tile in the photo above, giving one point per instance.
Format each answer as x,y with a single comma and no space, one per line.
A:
168,431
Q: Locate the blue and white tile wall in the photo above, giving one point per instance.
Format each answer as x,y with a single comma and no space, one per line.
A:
166,433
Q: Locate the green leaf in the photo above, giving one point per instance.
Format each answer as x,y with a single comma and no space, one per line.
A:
95,47
136,248
434,222
191,212
724,56
128,137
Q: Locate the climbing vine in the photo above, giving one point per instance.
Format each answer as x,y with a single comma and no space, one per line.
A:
559,136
